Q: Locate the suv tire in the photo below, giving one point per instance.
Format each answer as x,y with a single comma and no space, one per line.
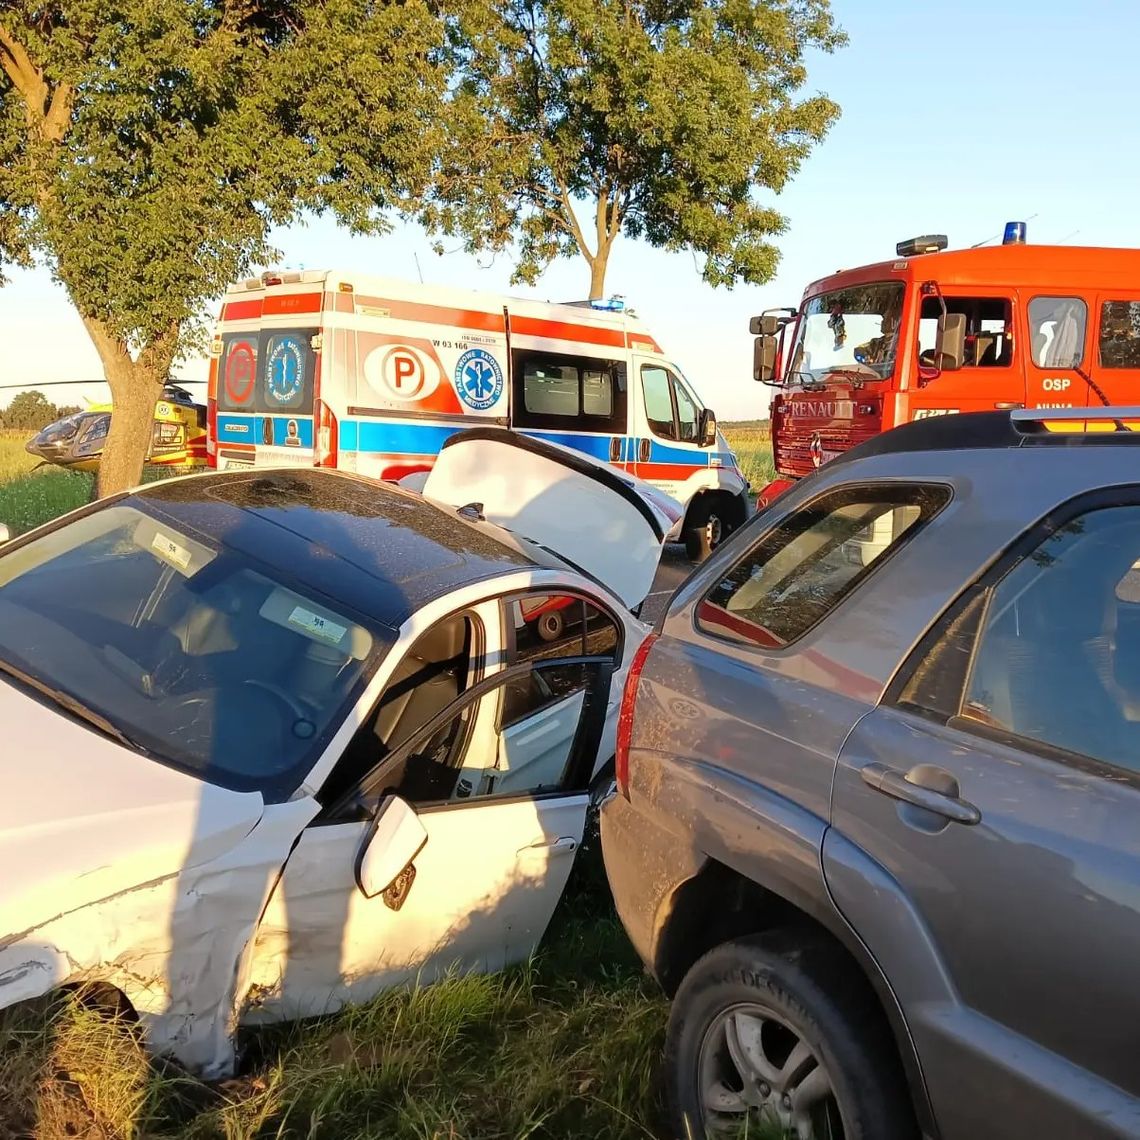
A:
788,1011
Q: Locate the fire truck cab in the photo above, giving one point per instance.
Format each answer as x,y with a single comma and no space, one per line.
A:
936,332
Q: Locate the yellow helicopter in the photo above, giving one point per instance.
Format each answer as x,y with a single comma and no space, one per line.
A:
76,441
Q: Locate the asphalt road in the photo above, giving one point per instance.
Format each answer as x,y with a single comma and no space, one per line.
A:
674,569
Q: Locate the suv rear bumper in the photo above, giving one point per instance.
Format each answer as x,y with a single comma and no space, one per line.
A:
645,864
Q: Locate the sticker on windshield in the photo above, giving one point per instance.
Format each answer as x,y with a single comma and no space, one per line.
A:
317,626
170,550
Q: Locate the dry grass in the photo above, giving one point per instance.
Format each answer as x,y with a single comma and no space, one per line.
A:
752,442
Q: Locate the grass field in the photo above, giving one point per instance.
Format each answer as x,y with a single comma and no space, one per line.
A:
566,1046
28,499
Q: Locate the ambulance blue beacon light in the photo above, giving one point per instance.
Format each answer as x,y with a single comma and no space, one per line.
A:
613,305
1014,233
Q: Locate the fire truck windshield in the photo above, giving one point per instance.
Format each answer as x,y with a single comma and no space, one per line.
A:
854,330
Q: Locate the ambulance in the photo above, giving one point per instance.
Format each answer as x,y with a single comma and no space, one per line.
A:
373,374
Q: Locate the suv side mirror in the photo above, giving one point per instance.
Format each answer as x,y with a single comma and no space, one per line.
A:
764,358
767,324
5,534
395,838
706,429
950,342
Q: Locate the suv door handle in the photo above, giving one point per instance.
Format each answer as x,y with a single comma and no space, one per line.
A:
916,790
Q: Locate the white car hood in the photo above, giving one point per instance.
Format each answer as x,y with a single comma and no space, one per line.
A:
592,515
82,818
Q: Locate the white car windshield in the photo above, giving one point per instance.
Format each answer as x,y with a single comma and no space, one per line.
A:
192,652
853,330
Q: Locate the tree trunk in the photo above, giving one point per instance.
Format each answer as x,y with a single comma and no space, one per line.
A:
598,275
135,390
136,386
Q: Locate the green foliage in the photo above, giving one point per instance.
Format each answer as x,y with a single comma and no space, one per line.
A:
665,118
146,147
29,411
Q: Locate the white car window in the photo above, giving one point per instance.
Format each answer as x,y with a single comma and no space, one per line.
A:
200,657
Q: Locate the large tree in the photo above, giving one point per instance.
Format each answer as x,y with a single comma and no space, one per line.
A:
148,146
669,120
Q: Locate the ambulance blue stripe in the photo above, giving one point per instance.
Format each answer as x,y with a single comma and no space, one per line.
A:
403,438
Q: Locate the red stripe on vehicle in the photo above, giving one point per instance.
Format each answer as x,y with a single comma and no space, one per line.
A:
276,303
652,471
241,310
493,322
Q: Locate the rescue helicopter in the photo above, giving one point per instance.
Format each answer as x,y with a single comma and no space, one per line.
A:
76,441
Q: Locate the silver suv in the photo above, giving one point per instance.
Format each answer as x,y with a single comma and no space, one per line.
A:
877,826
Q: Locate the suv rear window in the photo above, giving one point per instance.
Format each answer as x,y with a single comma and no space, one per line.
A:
804,567
207,661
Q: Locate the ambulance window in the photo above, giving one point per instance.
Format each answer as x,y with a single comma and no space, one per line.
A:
989,329
286,370
1057,331
237,372
1120,334
687,414
658,400
564,392
597,393
550,390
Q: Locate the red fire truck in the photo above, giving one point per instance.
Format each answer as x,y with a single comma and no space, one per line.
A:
938,331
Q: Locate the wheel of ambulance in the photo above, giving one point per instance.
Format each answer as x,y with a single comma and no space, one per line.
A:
707,528
767,1040
550,625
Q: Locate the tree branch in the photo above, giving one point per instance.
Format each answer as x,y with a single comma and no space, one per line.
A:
572,219
19,68
50,116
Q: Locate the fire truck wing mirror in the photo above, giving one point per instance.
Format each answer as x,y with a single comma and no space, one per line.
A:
764,359
767,324
950,341
707,428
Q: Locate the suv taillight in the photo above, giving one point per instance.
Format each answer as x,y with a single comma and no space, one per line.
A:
326,440
625,715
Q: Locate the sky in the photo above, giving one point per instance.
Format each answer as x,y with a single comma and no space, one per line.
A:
956,119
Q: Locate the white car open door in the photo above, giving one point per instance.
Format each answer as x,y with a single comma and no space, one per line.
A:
441,858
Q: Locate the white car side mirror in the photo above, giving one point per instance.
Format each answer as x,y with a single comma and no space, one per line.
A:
5,534
396,837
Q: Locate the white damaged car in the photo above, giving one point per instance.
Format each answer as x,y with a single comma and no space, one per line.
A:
275,740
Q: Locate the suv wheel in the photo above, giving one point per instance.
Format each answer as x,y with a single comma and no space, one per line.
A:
758,1045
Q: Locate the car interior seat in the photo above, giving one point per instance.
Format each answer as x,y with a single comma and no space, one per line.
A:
429,678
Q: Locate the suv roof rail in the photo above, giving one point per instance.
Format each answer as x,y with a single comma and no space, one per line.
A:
1022,427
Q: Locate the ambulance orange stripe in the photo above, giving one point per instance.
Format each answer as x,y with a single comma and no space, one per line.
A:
493,322
292,303
563,330
241,310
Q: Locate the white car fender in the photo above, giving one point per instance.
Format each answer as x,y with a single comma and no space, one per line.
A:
178,948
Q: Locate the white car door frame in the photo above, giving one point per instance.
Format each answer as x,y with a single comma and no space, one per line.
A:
483,887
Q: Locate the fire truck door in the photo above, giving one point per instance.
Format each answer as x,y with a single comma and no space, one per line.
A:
991,375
